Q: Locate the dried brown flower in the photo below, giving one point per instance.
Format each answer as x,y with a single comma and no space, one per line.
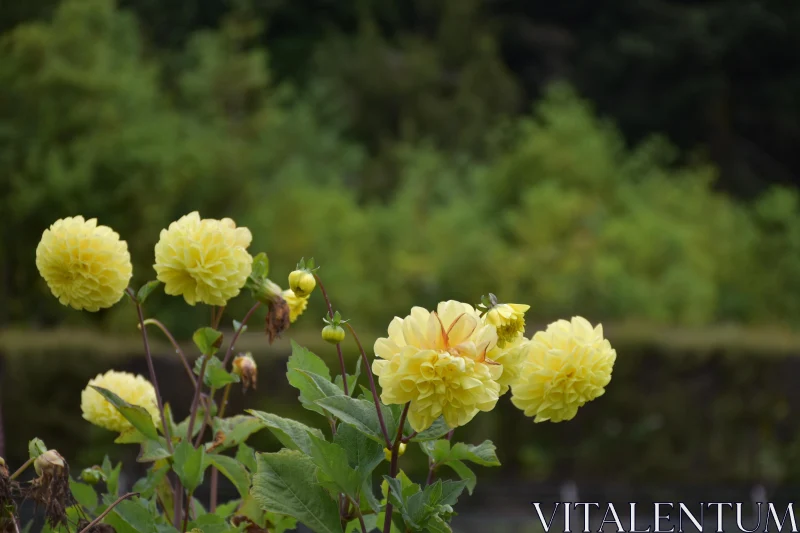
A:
51,489
277,318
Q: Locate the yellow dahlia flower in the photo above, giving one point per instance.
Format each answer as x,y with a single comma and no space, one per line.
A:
296,304
437,361
509,319
203,260
85,265
565,366
510,357
133,389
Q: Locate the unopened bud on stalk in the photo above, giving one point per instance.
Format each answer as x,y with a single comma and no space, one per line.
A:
302,282
266,292
91,476
50,462
245,367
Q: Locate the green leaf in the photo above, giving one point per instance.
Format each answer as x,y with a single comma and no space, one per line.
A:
146,289
208,340
36,447
482,454
112,476
260,269
238,325
285,483
290,433
231,469
465,474
147,486
189,465
130,516
236,429
303,360
215,376
335,473
136,415
352,380
438,430
211,523
182,428
363,453
84,494
153,450
226,509
130,436
246,456
360,414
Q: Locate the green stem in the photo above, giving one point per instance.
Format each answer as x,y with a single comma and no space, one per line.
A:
238,332
184,360
21,469
387,523
357,509
196,399
372,388
338,346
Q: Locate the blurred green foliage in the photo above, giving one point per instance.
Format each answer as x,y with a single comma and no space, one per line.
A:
448,194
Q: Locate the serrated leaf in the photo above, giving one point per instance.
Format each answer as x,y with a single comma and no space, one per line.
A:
285,482
247,456
211,523
236,429
207,340
231,469
84,494
215,375
147,486
226,509
352,379
290,433
130,516
363,453
138,416
130,436
153,450
482,454
335,472
465,473
304,360
360,414
188,463
146,289
36,447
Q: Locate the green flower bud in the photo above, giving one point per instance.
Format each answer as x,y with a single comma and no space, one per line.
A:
91,476
302,282
333,334
49,462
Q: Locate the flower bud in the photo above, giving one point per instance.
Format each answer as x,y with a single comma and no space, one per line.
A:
49,462
302,282
400,451
245,367
266,291
333,334
91,476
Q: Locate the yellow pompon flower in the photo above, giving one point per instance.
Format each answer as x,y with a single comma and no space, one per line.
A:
509,319
297,305
510,357
85,265
565,366
203,260
133,389
437,361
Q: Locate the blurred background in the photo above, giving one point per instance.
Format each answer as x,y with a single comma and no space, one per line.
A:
631,161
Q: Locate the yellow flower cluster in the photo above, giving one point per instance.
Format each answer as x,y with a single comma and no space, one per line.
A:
437,362
85,265
564,367
203,260
451,363
133,389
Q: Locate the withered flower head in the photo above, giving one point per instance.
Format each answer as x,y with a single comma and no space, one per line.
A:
51,489
7,489
277,318
245,367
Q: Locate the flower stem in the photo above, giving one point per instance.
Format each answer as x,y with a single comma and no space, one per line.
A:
372,387
431,470
175,345
108,510
151,368
387,523
357,509
21,469
238,332
338,346
196,399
